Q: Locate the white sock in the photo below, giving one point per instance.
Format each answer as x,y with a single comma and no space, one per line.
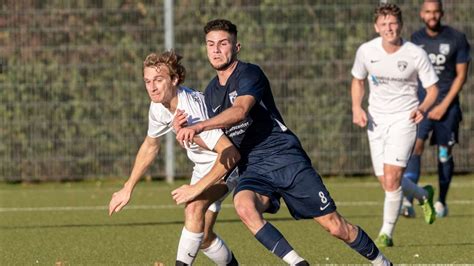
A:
412,190
381,260
188,246
391,208
218,252
292,258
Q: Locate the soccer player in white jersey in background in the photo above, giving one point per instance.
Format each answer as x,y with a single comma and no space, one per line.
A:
213,158
392,66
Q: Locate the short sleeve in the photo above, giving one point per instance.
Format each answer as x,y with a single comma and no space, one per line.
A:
211,137
426,72
156,126
358,69
463,51
252,82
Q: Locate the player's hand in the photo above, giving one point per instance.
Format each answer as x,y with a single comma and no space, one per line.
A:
119,200
416,116
437,112
186,135
359,117
180,120
185,193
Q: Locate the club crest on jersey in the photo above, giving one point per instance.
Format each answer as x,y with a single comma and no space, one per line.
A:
232,96
195,96
402,65
444,48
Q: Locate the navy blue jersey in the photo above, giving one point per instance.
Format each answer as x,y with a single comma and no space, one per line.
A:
262,138
448,48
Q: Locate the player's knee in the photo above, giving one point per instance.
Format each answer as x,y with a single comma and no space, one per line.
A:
195,210
243,210
246,211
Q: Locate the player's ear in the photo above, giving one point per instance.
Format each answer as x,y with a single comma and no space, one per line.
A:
237,47
174,80
376,28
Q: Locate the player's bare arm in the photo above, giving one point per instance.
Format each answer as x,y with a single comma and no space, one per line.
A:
229,117
461,75
145,156
431,94
227,158
359,116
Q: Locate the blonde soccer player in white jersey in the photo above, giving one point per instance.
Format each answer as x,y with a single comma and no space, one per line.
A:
212,153
392,67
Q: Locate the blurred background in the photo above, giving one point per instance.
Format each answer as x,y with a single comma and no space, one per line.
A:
73,103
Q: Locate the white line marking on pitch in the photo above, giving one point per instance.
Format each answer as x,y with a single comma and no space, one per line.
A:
172,206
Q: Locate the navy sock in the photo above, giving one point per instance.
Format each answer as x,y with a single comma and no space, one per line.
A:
445,174
412,171
364,245
413,168
273,240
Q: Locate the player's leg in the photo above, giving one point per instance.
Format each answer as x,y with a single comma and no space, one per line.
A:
392,199
446,136
194,232
413,168
212,245
392,202
354,236
308,198
412,175
250,205
445,175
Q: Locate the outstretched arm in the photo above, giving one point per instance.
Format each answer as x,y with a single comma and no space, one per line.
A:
145,156
227,158
229,117
359,117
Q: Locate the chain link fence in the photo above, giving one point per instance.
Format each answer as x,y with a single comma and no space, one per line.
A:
73,103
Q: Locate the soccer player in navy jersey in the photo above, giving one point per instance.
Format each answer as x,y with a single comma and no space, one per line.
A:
273,163
448,51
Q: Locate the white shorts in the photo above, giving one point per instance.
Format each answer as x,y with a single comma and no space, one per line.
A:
391,139
231,183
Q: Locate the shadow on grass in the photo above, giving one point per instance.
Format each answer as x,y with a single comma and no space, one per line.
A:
180,222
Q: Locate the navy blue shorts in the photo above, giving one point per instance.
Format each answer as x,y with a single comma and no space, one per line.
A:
445,131
300,186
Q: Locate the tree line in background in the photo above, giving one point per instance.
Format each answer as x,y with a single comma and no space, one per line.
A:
73,103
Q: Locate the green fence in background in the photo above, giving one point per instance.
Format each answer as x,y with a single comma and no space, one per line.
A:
73,103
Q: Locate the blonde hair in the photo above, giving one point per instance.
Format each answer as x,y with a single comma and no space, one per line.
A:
171,60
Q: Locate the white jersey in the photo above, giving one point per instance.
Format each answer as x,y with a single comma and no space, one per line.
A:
160,122
393,78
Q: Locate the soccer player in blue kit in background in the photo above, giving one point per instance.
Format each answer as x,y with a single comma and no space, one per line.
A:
273,163
448,51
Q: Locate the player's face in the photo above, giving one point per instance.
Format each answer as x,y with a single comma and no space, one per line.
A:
389,28
431,14
159,85
221,48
